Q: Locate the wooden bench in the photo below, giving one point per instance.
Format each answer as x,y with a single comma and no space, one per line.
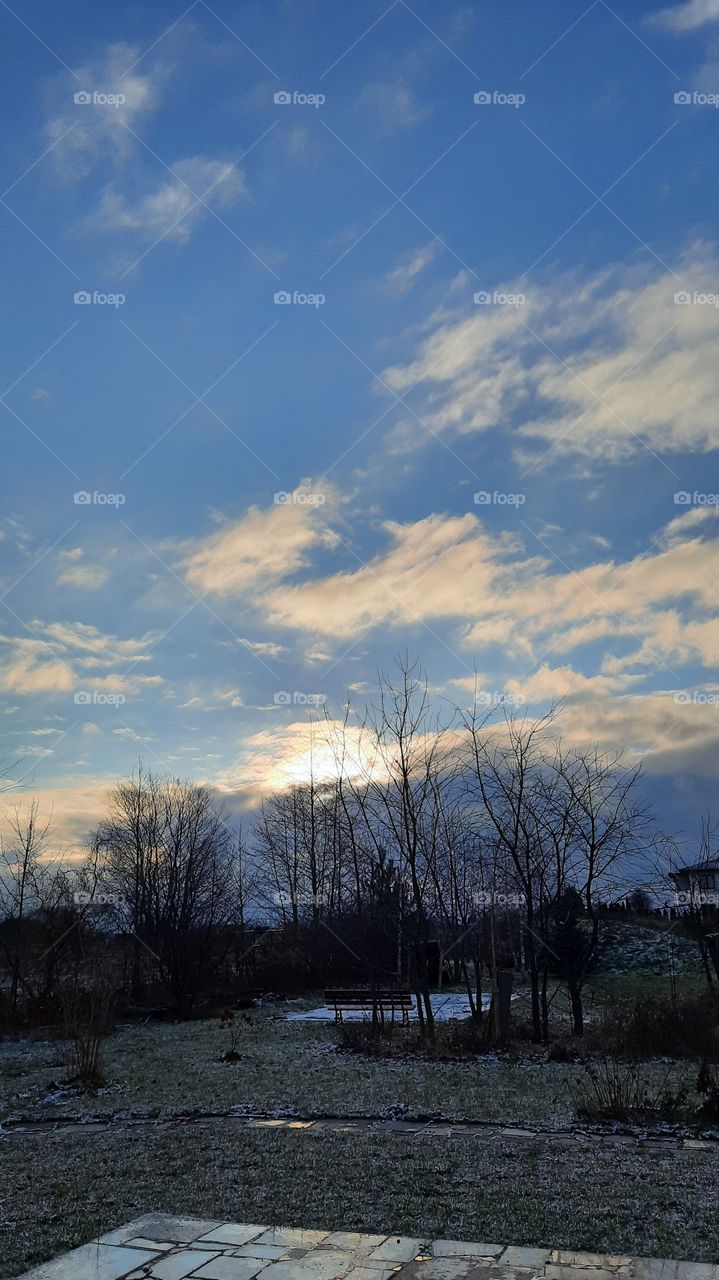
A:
384,1000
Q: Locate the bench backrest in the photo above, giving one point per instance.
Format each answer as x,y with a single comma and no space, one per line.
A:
353,998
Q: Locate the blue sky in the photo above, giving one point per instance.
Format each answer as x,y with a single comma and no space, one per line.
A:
489,402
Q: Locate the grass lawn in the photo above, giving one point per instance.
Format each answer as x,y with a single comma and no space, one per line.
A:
162,1068
60,1190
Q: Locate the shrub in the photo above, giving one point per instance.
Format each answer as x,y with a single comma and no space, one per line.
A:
611,1089
87,1016
655,1027
708,1089
454,1041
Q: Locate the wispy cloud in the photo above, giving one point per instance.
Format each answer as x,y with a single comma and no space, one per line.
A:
689,16
174,207
93,113
395,105
600,367
405,275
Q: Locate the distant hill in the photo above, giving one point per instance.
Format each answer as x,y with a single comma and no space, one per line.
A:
625,946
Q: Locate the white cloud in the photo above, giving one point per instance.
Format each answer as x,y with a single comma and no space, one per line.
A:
403,277
60,657
688,16
598,368
262,546
74,574
94,132
175,206
395,105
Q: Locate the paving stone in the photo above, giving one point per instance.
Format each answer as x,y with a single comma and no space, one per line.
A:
443,1268
465,1248
519,1256
268,1251
292,1237
571,1258
334,1267
236,1233
178,1265
569,1271
140,1242
92,1262
370,1273
655,1269
162,1226
489,1270
226,1267
398,1249
353,1240
697,1271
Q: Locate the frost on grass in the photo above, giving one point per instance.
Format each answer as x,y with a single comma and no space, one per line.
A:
63,1189
158,1069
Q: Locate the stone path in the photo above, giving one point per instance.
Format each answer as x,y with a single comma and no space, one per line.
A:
659,1142
167,1248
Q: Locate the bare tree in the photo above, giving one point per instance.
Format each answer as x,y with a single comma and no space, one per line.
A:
21,861
166,851
605,828
505,772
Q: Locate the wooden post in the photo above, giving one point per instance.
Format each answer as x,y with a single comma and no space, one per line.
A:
502,1006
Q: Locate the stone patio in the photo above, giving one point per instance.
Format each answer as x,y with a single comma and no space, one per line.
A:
162,1247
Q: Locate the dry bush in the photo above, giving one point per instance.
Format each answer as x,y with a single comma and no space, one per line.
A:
656,1027
88,1020
453,1041
611,1089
